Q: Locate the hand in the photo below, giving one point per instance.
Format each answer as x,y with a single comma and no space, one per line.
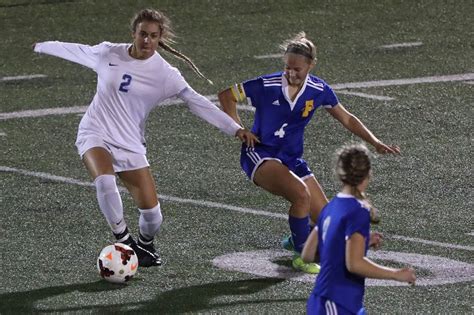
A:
375,241
382,148
246,136
406,275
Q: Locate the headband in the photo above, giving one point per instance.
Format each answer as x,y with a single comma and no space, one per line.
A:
299,51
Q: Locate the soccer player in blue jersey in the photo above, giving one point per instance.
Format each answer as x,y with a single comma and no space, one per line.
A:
341,239
285,102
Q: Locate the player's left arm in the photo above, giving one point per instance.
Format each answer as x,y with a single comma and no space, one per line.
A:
202,107
354,125
357,263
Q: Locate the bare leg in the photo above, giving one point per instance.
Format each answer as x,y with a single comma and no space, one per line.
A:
277,179
318,198
141,185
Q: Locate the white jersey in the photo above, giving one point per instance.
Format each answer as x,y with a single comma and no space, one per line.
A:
128,89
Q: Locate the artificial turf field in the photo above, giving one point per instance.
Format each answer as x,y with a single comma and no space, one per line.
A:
405,68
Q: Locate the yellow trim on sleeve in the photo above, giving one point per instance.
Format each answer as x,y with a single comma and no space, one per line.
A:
241,90
238,92
234,92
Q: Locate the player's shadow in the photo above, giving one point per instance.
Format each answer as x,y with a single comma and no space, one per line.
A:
203,297
23,302
183,300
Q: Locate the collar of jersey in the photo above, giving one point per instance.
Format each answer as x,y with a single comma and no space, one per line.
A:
362,202
139,61
344,195
284,90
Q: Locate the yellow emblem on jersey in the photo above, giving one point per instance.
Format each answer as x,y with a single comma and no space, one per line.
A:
308,107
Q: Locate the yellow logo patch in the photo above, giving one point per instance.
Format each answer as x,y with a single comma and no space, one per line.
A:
309,105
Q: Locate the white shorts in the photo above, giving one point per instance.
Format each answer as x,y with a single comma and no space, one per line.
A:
123,160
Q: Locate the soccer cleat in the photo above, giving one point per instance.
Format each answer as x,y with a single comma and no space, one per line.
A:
148,246
145,257
300,265
287,243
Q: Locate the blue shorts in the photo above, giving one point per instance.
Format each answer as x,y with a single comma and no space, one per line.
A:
318,305
252,158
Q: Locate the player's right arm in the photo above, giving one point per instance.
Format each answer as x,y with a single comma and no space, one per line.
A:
310,247
357,263
82,54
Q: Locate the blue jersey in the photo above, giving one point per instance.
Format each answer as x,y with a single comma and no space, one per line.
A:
279,122
343,216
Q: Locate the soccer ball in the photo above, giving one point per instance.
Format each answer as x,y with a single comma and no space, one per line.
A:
117,263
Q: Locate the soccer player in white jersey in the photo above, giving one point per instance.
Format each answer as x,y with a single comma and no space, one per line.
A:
341,240
132,80
285,103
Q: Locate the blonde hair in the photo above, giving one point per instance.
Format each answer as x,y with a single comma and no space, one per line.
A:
167,35
300,45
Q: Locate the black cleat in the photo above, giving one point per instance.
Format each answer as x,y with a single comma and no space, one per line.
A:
146,258
149,247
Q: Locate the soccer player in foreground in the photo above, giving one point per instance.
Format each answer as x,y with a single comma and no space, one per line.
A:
132,80
285,102
341,239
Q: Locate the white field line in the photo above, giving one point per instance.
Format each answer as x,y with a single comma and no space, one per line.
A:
209,204
82,109
22,77
2,134
434,243
213,98
268,56
432,79
365,95
212,205
43,112
402,45
398,45
472,233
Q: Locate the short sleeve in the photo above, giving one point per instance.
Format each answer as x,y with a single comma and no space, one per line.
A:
358,221
247,90
330,99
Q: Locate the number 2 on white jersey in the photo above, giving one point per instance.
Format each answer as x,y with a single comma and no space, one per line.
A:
281,132
127,79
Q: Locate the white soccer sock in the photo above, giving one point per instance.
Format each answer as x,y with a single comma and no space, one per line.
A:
150,221
110,202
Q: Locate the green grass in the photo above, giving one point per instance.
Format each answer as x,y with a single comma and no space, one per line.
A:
51,232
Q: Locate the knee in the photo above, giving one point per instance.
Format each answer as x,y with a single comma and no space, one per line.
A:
301,197
105,183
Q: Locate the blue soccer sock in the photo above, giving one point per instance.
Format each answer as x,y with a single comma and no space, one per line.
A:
300,229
